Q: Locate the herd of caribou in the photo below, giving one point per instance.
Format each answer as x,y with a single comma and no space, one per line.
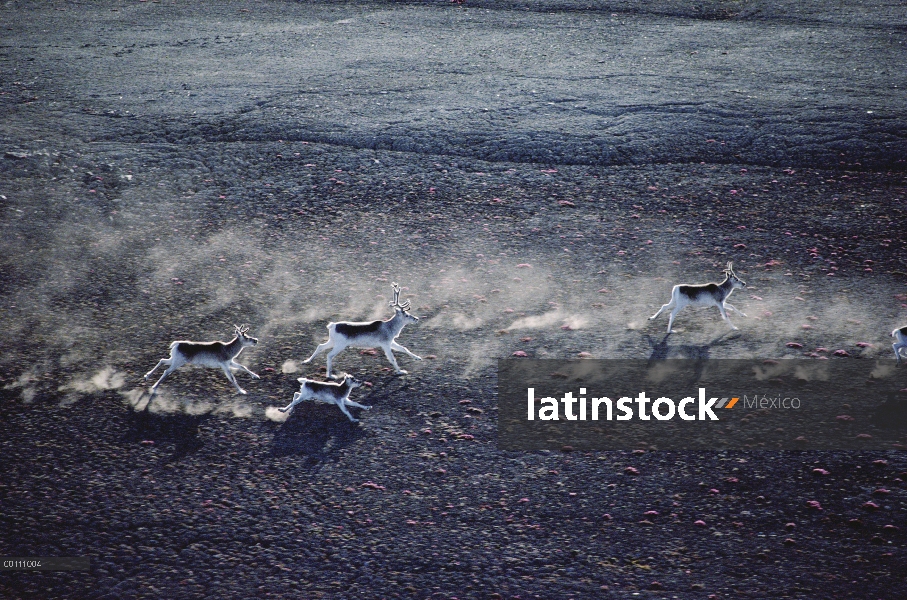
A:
383,334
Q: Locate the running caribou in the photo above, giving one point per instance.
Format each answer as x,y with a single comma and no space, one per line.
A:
704,294
207,354
369,334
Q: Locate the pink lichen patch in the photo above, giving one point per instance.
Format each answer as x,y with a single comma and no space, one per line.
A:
844,418
841,353
870,506
631,471
699,523
794,345
881,492
814,504
520,354
820,472
864,345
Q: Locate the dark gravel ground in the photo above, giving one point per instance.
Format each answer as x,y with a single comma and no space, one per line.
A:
537,175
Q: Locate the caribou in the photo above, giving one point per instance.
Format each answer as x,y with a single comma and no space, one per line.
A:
900,343
207,354
329,393
704,294
370,334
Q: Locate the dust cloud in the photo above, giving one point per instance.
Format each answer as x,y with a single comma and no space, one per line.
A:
103,290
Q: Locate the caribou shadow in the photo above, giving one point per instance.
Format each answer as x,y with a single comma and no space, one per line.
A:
179,428
892,414
314,430
661,350
700,353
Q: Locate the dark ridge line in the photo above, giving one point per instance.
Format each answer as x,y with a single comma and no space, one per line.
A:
745,14
876,165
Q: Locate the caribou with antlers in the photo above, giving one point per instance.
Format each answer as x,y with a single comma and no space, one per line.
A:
371,334
208,354
704,294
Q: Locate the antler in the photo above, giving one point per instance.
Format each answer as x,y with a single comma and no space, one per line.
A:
396,302
241,329
730,267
